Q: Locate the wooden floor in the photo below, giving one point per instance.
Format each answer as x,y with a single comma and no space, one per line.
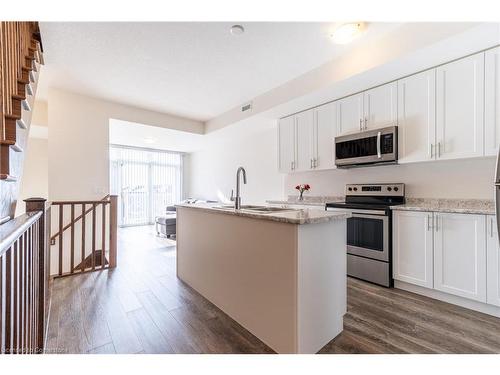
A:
141,307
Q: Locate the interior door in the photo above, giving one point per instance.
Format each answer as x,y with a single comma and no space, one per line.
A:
492,102
304,142
326,130
416,117
460,255
350,114
460,108
380,106
286,143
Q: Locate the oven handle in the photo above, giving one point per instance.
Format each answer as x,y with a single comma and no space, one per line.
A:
358,211
379,145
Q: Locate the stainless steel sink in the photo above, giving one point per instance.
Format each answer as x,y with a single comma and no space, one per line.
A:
255,208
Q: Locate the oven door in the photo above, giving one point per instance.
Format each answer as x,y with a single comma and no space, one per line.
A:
368,235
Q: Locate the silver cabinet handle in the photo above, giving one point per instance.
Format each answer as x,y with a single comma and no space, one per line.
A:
315,163
432,150
360,124
439,149
311,164
366,123
436,225
491,227
429,222
379,146
292,165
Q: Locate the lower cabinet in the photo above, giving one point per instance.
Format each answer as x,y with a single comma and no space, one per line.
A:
412,243
493,262
443,251
460,255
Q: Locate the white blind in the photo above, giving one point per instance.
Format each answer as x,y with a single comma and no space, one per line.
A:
146,182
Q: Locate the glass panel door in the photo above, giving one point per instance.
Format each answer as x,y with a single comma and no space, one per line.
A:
146,182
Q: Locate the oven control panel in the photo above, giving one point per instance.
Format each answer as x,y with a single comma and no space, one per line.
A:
396,190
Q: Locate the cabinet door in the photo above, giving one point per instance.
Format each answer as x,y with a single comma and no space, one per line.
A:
350,114
460,255
325,131
416,117
286,144
412,247
493,261
460,108
304,142
380,106
492,102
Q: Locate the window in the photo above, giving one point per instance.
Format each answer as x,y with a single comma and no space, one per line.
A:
146,182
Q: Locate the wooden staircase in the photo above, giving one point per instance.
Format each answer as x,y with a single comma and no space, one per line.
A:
20,59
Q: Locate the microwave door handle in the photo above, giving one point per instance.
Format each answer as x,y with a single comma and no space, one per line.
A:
379,146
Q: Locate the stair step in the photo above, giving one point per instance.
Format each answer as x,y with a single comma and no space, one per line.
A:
13,145
7,177
19,121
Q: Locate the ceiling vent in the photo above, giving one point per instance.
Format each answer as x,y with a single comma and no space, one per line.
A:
246,107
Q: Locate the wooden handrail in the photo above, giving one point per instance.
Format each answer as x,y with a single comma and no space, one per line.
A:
91,246
67,226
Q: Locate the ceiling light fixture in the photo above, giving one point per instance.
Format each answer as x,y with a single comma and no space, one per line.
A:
237,30
347,32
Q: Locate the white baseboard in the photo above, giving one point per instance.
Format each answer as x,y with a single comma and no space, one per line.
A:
455,300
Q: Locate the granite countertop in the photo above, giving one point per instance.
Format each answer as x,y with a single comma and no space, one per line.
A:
318,201
291,216
462,206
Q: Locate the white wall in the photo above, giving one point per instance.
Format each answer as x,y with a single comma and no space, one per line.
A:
79,141
252,145
35,180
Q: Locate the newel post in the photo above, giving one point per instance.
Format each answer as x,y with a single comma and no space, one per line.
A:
34,205
113,230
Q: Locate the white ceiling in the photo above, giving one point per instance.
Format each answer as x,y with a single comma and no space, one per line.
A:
195,70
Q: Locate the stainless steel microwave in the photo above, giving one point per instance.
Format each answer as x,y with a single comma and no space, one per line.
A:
379,146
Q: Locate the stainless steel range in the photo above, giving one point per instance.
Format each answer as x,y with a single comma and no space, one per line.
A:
369,229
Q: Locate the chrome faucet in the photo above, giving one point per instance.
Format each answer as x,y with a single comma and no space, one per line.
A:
237,199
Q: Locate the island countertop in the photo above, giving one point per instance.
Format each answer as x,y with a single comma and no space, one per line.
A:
289,216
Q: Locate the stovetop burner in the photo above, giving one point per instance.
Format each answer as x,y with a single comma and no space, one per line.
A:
373,196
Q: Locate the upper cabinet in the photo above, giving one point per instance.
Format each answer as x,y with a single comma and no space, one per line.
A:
304,142
350,114
417,117
492,102
380,106
286,144
325,132
460,108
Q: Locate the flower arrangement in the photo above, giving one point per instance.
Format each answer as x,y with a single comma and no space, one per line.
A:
301,188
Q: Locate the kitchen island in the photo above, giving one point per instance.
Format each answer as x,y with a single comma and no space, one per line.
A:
280,274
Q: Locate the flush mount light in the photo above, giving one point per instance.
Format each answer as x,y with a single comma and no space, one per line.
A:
237,30
347,32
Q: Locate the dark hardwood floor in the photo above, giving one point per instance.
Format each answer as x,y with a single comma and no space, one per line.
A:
141,307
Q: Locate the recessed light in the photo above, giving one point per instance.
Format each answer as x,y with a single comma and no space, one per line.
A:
347,32
237,30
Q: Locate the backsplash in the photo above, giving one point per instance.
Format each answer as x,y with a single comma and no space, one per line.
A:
468,178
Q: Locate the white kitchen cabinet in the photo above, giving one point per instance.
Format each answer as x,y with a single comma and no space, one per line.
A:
305,140
460,108
416,117
493,261
286,144
492,102
412,244
380,106
350,114
324,135
460,255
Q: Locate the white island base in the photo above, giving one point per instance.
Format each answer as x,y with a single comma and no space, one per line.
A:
283,282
